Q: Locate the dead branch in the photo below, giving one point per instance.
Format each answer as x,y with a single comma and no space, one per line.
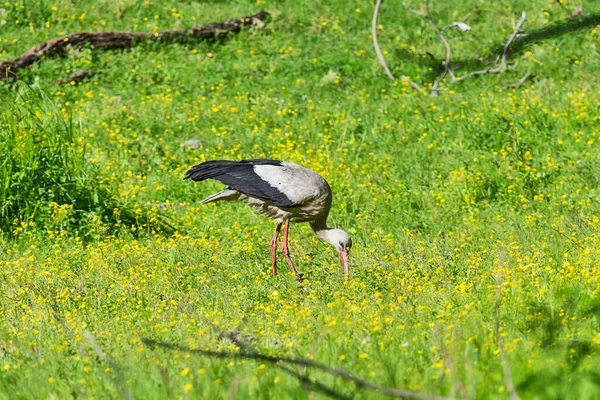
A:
508,381
417,12
577,13
376,43
500,67
519,82
313,385
460,25
308,384
398,393
120,378
435,87
121,40
380,54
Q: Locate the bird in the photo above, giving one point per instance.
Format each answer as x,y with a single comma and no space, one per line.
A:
279,190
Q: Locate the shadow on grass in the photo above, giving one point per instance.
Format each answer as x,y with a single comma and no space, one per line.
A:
279,361
519,45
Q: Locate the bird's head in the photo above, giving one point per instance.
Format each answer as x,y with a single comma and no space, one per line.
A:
342,242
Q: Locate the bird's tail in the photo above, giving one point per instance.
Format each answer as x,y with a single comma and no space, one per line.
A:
227,194
208,170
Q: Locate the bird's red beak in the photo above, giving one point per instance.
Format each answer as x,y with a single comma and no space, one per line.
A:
344,258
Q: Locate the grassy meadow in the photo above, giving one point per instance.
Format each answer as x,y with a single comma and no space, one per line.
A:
475,214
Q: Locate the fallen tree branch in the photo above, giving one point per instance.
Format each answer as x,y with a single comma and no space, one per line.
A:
519,82
120,378
376,43
121,40
309,384
398,393
313,385
435,87
500,67
380,54
460,25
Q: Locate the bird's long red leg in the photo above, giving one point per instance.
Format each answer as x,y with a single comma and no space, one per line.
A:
286,251
274,249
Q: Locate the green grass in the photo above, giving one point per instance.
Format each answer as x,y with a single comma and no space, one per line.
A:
47,182
445,197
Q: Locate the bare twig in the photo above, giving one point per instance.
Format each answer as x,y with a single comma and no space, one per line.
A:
451,73
417,12
380,54
247,348
456,24
577,13
413,84
500,67
508,381
376,43
435,87
519,82
120,378
313,385
121,40
398,393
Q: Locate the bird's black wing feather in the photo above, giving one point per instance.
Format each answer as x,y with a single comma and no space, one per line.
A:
240,176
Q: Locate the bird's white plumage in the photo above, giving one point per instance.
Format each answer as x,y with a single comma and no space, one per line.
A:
297,183
305,188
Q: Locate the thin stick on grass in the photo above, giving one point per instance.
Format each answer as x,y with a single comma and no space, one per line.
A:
519,82
508,381
435,87
503,61
301,376
121,40
398,393
380,54
313,385
456,24
376,43
119,377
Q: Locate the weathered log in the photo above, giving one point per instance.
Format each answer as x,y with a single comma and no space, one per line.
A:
122,40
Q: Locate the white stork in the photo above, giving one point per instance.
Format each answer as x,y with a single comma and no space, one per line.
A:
281,191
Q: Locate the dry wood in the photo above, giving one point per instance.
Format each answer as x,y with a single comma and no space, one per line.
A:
376,43
120,378
519,82
399,393
380,54
121,40
446,64
500,67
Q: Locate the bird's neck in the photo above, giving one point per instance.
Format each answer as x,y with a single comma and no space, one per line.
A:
321,230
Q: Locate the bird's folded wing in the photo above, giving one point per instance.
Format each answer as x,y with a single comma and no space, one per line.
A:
241,176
